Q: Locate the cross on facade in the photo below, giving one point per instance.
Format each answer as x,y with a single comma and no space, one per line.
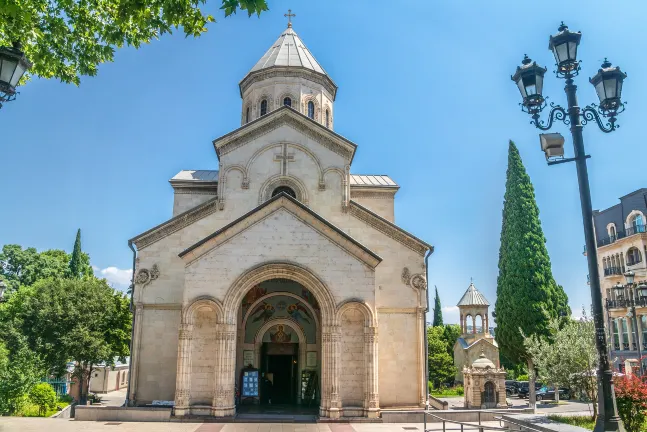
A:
289,15
284,158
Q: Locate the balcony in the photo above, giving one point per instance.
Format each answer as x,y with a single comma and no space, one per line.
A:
620,302
635,229
613,271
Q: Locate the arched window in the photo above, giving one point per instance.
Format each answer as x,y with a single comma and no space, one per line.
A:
612,232
247,119
263,107
327,118
311,110
637,224
633,256
287,101
288,190
478,324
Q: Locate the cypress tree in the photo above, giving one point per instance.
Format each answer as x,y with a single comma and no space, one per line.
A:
527,296
76,261
438,312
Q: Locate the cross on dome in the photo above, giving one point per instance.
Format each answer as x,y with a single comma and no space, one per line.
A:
289,15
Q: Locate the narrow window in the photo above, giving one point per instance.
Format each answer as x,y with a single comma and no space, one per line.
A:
263,107
287,101
612,233
633,256
625,335
284,189
327,118
311,110
643,324
616,336
247,115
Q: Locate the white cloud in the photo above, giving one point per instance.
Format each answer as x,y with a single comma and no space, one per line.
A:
451,315
118,278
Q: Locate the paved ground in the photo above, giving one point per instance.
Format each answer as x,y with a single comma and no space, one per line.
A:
563,407
115,398
18,424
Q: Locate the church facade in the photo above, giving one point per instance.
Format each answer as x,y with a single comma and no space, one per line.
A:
283,261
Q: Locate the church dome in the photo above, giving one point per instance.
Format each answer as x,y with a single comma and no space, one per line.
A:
483,362
473,297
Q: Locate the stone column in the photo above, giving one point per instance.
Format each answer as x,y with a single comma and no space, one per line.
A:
183,379
423,386
330,366
134,355
372,402
225,372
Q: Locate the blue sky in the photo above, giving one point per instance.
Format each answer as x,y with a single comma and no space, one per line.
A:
424,90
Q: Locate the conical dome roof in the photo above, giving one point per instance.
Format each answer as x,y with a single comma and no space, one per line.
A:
473,297
288,50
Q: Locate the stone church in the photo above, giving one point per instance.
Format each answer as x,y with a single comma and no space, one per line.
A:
281,260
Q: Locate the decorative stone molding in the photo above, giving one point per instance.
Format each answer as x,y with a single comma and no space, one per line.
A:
187,191
387,194
293,183
175,224
418,281
389,229
289,72
286,116
146,276
311,98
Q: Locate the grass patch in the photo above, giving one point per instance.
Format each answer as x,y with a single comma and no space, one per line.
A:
448,392
582,421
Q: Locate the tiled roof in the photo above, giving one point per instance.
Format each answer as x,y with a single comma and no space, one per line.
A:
473,297
196,175
371,180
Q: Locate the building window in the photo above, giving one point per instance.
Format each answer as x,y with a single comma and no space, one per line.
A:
311,110
327,118
625,335
263,107
616,336
287,101
286,189
633,256
643,326
612,232
247,119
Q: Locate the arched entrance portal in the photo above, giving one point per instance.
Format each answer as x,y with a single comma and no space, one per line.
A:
279,333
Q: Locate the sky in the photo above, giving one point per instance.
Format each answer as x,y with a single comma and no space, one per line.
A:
424,90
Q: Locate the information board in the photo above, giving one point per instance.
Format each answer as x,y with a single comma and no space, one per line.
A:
250,383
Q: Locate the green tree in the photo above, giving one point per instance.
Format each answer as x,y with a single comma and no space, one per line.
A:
527,296
68,39
438,311
23,267
19,372
441,364
92,324
43,396
79,265
451,333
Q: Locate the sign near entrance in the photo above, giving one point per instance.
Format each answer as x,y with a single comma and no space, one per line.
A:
248,358
250,383
311,359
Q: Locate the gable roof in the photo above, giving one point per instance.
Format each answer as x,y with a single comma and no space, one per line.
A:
308,216
285,115
364,180
389,229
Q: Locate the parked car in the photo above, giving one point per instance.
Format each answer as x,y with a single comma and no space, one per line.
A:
511,388
523,388
548,393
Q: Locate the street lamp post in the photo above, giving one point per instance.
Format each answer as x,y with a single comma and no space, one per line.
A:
608,85
13,65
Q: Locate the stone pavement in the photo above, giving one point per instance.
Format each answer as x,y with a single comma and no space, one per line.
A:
20,424
114,399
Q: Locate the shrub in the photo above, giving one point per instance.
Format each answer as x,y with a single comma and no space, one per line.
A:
523,377
43,396
631,397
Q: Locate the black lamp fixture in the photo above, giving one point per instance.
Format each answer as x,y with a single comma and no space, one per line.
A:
564,47
642,289
630,276
13,65
608,85
530,80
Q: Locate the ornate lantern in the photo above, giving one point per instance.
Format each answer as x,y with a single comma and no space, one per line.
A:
630,277
13,65
608,85
529,77
564,47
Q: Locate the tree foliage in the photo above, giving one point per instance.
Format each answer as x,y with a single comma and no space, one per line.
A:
79,265
569,358
451,333
19,371
631,397
441,364
23,267
92,322
67,39
438,311
527,296
43,396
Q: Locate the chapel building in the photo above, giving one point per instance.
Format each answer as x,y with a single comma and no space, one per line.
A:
281,261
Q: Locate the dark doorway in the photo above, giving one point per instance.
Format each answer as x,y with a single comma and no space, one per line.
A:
279,364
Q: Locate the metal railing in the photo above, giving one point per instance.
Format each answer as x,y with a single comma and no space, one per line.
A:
464,425
613,271
635,229
620,234
620,302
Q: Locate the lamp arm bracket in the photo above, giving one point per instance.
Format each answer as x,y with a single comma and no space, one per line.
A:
556,113
590,113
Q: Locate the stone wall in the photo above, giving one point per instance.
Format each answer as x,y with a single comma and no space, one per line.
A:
353,371
203,355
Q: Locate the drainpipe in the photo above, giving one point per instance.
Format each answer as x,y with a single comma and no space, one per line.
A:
426,344
132,331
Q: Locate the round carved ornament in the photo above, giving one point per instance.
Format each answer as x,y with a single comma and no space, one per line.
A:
145,276
418,281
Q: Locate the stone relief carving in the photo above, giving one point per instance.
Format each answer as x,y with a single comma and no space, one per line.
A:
406,276
418,281
146,276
